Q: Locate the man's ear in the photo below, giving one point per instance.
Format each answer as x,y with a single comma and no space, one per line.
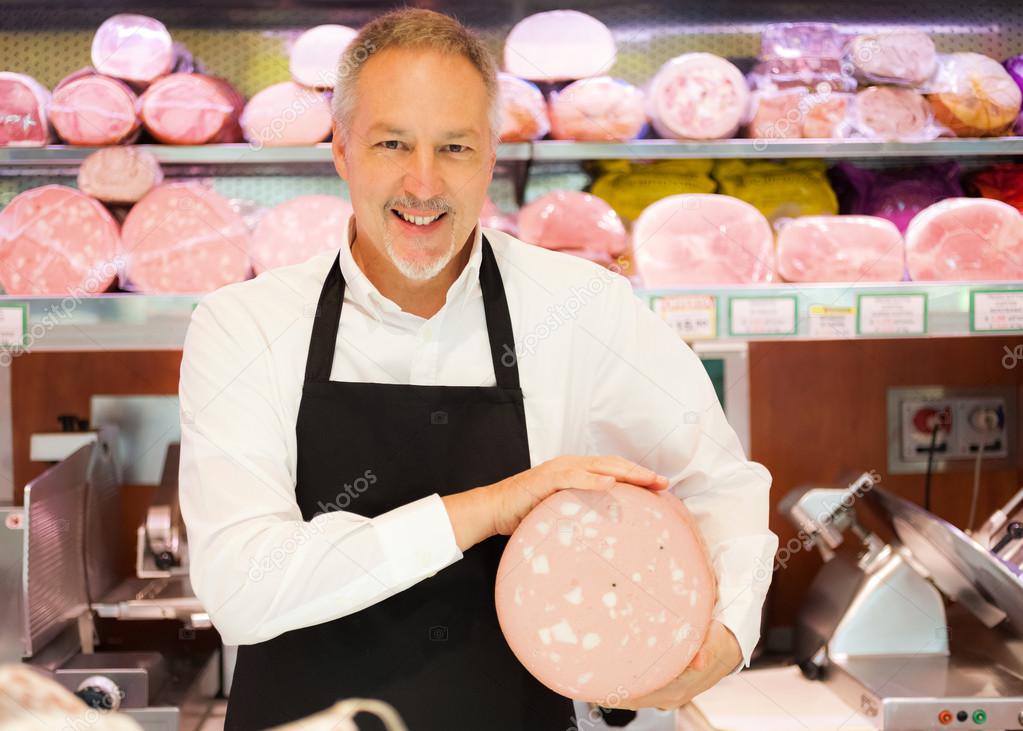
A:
337,147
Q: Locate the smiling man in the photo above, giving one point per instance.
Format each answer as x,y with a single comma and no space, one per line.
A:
361,432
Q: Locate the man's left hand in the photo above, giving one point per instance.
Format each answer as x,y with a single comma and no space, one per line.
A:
719,655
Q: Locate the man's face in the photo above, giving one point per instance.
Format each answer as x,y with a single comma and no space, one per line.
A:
418,158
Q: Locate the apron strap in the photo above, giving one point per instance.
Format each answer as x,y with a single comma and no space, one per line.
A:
323,341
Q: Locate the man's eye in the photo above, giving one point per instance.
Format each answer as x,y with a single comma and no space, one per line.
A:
391,144
457,148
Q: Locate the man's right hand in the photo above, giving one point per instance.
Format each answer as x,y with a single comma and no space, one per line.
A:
497,509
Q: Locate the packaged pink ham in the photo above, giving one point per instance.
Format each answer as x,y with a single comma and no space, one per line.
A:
828,116
777,115
698,96
973,95
891,113
811,74
965,239
119,175
559,45
600,109
897,194
23,111
315,57
92,110
802,40
184,238
299,229
840,249
135,48
523,109
56,241
192,109
568,219
902,57
603,594
492,217
286,114
703,239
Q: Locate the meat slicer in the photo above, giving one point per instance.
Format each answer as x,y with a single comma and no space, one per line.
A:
924,628
64,612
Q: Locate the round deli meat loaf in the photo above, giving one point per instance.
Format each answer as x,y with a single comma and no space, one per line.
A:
600,109
903,57
315,57
23,111
93,110
559,45
299,229
56,240
976,96
893,113
568,219
184,238
135,48
840,249
778,115
605,593
523,109
192,109
287,114
702,239
119,175
965,239
698,96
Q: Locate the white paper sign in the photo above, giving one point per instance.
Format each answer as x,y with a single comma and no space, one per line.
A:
832,322
997,311
12,325
892,314
693,317
762,316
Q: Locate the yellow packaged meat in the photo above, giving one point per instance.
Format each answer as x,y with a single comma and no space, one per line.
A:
779,190
635,186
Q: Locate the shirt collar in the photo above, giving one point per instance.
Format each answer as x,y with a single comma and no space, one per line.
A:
365,294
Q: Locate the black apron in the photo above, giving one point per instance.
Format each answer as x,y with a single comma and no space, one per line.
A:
435,650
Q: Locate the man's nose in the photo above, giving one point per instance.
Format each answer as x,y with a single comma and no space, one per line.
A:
423,178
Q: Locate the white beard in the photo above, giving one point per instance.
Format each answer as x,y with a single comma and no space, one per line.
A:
418,271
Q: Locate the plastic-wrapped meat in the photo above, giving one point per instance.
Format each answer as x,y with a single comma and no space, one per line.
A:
192,109
568,219
778,115
92,110
184,238
601,109
840,249
55,240
316,55
23,116
703,239
813,74
559,45
523,109
893,113
965,239
698,96
606,593
299,229
119,175
974,96
492,217
287,114
802,40
135,48
828,116
903,57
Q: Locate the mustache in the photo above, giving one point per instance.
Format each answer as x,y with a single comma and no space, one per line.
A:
433,204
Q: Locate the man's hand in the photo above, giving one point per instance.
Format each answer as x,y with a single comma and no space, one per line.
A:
719,655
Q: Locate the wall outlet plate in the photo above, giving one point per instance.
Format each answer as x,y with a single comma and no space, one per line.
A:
969,420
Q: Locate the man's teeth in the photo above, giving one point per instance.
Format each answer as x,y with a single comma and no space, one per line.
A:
419,220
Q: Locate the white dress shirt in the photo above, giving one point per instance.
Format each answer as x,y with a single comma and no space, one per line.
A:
600,374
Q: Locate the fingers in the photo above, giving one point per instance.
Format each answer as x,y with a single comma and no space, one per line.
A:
625,471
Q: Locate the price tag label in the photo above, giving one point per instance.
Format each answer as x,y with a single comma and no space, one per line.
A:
832,322
891,314
996,311
762,315
693,317
13,325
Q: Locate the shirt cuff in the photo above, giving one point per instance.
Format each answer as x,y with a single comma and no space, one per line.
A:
744,570
418,537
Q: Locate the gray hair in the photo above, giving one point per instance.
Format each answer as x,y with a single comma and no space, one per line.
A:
413,28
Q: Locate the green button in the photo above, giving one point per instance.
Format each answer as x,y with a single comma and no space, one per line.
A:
979,717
